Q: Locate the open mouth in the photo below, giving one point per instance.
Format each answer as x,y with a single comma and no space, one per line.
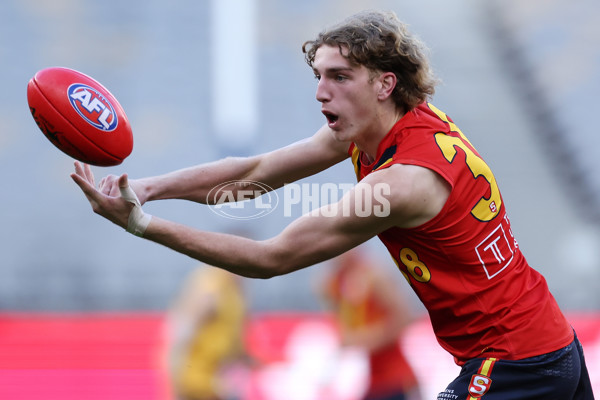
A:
331,118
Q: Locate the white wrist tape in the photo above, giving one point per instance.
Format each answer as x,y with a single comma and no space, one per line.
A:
138,220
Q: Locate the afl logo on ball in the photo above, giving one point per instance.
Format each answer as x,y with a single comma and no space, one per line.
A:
93,107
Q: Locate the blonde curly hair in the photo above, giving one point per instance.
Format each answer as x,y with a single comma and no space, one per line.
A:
380,42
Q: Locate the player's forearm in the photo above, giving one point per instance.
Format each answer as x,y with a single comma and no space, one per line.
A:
305,242
195,183
241,256
269,170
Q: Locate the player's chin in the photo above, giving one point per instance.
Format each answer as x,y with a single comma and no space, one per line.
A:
342,134
339,137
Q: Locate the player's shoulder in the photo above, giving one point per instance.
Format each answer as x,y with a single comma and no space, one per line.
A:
399,175
415,193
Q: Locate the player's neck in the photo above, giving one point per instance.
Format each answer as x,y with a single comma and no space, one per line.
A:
369,143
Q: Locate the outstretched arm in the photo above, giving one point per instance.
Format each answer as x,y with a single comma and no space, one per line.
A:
402,196
312,238
272,169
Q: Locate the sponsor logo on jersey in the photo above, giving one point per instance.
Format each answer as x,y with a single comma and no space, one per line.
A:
93,107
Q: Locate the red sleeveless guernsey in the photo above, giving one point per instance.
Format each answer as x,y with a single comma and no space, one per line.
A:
483,298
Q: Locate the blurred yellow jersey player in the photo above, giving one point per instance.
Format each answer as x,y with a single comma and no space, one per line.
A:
205,326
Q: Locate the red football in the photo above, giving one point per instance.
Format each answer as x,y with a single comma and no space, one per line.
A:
80,116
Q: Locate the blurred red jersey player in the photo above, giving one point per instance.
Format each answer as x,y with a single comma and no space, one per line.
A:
372,315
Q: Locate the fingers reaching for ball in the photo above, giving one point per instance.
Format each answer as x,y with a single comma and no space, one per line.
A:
113,208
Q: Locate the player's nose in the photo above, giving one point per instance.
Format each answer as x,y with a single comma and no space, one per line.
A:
323,93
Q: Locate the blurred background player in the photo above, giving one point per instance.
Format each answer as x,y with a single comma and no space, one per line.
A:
205,335
372,315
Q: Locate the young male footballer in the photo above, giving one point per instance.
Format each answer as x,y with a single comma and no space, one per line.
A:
445,223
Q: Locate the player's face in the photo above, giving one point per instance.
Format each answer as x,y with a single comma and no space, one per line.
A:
346,92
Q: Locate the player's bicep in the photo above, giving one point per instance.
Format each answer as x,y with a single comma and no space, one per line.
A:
331,230
300,159
417,194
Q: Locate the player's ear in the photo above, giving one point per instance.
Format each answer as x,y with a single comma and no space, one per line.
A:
387,84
